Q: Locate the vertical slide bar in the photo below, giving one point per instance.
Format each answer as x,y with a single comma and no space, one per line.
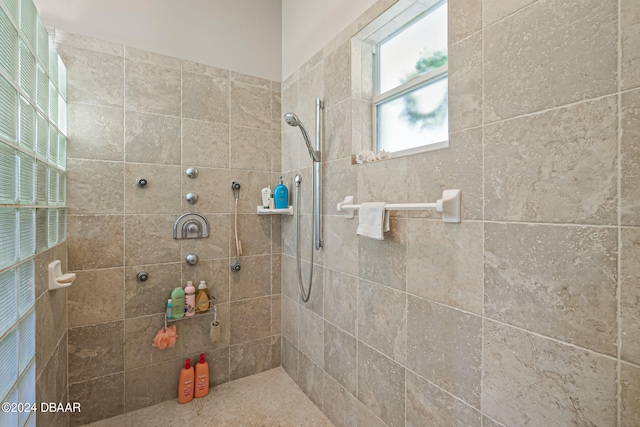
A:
317,170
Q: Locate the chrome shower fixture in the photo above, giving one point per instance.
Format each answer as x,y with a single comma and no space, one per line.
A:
293,120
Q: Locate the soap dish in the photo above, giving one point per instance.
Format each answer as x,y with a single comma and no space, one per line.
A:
58,280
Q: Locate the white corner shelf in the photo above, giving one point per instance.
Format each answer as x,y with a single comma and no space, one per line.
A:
266,211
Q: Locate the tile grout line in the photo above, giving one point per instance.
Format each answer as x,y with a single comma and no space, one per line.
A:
619,220
484,203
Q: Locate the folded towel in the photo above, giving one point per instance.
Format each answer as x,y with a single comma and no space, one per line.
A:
373,220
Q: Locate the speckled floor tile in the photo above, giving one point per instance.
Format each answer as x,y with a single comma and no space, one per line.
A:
267,399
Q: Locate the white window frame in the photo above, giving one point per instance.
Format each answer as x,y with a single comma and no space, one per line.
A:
412,85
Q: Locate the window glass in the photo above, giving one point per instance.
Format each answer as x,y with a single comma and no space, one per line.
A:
417,49
414,119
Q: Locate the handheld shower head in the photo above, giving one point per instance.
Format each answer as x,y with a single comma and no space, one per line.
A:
293,120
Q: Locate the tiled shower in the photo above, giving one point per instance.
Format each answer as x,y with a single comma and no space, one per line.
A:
525,313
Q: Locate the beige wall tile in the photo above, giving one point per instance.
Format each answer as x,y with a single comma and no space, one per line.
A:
630,38
252,280
160,196
149,297
276,269
630,169
290,277
276,314
630,294
205,144
253,357
340,244
338,404
528,70
51,384
206,70
97,296
337,74
78,41
366,418
465,84
311,335
95,132
495,10
290,323
250,106
195,332
150,240
152,88
250,319
152,138
337,133
216,246
557,166
630,395
104,396
340,300
564,385
382,319
316,296
385,262
459,166
292,145
428,405
51,325
290,359
96,350
465,18
95,241
249,80
93,77
556,281
250,147
205,98
151,384
213,188
219,359
102,193
383,181
134,54
381,385
139,333
444,346
276,110
252,183
310,379
449,271
341,357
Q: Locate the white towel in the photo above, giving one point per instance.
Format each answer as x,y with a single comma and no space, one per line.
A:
373,220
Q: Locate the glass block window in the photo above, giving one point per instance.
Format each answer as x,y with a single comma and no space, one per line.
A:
33,143
411,83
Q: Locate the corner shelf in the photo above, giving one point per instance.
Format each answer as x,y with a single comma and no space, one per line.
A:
266,211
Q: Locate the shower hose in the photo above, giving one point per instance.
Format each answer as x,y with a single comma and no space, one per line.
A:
304,295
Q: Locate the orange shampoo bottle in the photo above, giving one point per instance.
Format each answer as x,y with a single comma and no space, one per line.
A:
186,385
202,377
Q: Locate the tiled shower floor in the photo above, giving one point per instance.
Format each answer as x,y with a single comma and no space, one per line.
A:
267,399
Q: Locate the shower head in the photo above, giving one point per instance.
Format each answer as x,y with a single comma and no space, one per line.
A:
293,120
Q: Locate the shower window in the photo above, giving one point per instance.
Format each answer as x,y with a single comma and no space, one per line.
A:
410,103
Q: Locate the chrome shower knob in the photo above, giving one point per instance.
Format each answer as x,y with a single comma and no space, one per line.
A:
142,182
142,276
192,259
191,198
235,266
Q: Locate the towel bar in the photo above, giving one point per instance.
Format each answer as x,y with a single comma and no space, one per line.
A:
450,206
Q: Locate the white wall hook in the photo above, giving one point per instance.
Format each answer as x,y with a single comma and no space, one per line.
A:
58,280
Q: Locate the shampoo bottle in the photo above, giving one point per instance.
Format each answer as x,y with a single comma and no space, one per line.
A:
169,310
281,195
202,377
185,387
177,303
190,299
202,299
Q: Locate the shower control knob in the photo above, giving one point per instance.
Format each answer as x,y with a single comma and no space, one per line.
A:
235,266
193,228
192,198
142,276
192,259
192,173
141,182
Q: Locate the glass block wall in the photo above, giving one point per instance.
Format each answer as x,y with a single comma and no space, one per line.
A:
33,121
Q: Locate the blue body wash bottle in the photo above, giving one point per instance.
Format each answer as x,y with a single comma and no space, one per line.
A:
281,196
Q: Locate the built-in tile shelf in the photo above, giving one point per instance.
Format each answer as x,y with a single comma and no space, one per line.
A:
266,211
